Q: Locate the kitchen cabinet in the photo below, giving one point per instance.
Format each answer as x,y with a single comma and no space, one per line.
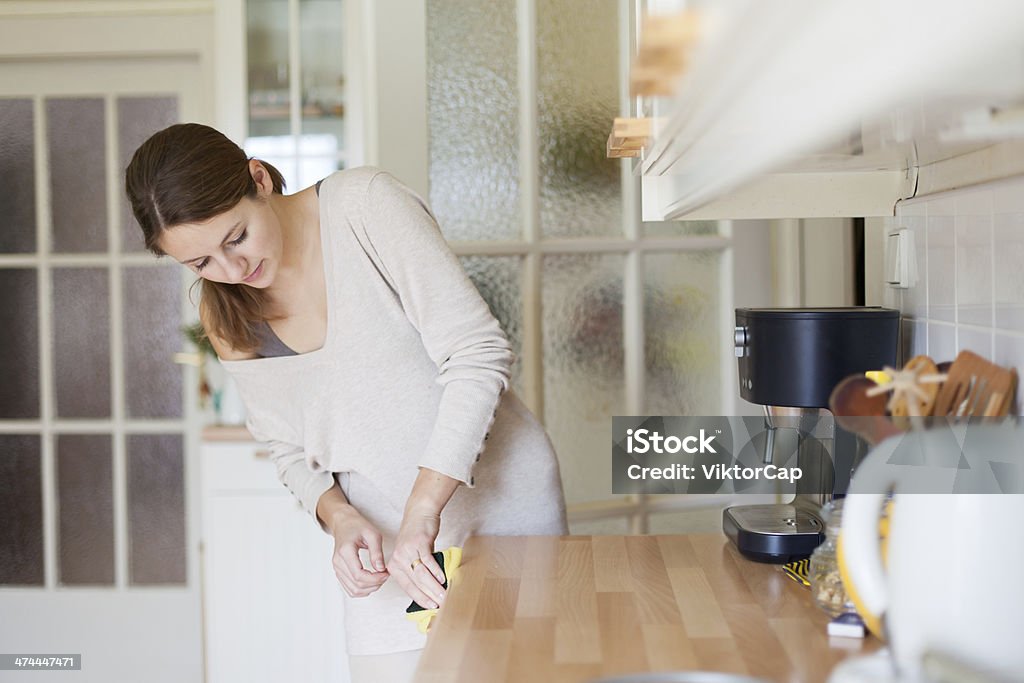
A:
272,606
810,109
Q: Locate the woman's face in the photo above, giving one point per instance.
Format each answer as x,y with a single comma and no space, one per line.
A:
243,245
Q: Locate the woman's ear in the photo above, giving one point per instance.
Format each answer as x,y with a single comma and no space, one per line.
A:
260,175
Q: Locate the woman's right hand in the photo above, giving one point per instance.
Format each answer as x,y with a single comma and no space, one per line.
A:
352,532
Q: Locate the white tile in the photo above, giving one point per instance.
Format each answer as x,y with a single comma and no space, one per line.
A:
941,341
942,205
915,297
913,339
893,298
919,339
974,266
1008,196
941,268
974,201
975,339
1009,270
1009,352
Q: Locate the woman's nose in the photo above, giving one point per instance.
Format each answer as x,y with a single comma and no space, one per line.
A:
238,269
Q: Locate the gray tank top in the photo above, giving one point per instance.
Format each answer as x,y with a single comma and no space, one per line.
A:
271,345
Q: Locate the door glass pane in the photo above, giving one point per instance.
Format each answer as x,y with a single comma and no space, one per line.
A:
683,341
578,72
156,509
81,327
78,182
85,501
137,119
583,357
267,46
17,161
152,335
473,102
19,344
499,281
323,81
21,509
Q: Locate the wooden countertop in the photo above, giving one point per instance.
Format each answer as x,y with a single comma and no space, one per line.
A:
572,608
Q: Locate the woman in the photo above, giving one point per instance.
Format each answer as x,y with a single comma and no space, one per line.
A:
366,360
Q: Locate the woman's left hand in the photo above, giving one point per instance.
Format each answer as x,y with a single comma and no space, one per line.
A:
412,563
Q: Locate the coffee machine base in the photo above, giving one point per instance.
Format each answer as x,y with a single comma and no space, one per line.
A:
773,533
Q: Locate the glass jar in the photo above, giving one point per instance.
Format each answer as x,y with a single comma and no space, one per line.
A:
826,584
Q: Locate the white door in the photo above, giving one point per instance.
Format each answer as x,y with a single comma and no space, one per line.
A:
98,473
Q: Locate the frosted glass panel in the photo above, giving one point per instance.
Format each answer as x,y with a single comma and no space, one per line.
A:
583,381
156,509
684,341
473,118
19,344
18,170
85,503
137,119
578,69
81,327
78,182
21,510
152,335
680,228
499,281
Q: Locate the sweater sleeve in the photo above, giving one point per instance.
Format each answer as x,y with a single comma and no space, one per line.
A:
306,485
458,331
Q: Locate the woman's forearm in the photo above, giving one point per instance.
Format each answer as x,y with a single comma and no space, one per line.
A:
430,493
331,506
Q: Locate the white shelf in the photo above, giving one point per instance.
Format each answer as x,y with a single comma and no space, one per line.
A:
803,108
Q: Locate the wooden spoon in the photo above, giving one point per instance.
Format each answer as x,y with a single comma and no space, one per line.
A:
859,413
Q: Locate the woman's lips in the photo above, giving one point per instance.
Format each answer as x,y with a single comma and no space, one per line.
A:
255,274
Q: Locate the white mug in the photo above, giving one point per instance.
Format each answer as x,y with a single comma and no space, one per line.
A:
953,581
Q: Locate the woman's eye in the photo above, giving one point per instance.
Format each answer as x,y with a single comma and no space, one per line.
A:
241,238
201,264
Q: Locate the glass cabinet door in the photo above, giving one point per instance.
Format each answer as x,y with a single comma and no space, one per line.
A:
296,78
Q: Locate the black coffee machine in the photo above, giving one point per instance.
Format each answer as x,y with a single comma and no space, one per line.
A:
790,359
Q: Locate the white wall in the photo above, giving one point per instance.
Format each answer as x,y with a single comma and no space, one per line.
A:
970,293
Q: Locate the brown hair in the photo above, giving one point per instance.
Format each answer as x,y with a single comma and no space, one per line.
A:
190,173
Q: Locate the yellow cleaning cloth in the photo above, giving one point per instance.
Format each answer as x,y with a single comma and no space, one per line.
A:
798,571
449,560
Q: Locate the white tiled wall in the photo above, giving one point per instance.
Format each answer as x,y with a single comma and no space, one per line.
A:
969,294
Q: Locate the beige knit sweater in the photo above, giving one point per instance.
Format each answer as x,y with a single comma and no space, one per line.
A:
413,373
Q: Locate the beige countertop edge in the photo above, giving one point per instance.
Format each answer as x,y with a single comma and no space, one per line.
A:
219,432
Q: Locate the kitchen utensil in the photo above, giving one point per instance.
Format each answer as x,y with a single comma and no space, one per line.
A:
951,581
912,389
976,387
861,412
